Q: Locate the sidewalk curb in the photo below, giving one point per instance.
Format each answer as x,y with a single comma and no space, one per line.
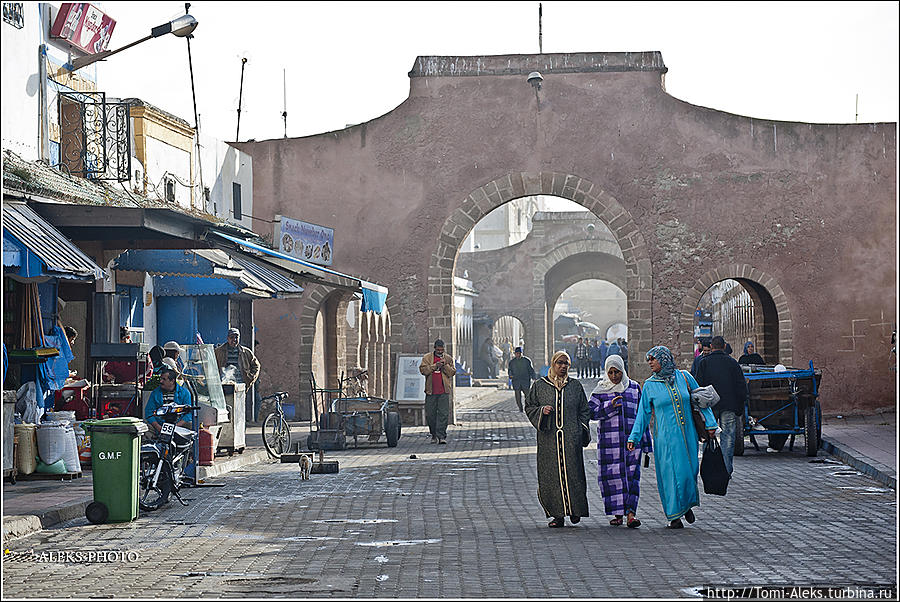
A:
866,466
21,525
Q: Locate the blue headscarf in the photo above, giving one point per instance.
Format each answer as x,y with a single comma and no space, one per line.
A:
747,344
665,359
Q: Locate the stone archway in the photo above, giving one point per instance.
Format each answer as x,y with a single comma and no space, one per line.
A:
557,291
775,328
639,279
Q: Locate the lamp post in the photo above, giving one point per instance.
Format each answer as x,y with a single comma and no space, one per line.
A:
182,26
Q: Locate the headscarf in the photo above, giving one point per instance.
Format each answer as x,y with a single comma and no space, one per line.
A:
666,361
606,385
747,344
558,381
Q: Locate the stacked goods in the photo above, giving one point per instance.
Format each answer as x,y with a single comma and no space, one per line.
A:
26,452
56,441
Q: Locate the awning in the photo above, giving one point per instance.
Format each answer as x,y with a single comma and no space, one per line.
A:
374,295
282,286
33,248
178,262
190,286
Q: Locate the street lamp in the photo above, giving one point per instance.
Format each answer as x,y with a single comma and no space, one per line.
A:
182,26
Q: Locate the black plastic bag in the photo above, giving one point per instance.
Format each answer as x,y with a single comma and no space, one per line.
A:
712,469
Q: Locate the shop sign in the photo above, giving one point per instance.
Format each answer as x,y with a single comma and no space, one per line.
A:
84,26
305,241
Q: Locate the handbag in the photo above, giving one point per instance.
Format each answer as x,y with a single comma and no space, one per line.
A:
699,424
712,469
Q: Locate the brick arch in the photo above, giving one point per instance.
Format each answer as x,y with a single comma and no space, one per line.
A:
488,197
518,314
773,312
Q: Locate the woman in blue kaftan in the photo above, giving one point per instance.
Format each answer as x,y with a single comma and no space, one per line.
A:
665,407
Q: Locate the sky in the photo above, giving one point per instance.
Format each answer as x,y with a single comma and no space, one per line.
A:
347,62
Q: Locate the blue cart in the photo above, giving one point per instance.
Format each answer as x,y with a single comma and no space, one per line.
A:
781,405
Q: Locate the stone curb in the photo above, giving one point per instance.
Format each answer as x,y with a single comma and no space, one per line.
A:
865,465
27,524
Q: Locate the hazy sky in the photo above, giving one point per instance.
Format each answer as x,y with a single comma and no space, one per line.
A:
347,62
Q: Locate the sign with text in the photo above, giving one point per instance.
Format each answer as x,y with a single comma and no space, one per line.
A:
410,382
305,241
84,26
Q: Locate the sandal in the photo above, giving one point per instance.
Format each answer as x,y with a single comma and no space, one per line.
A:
616,521
689,517
675,524
634,523
557,522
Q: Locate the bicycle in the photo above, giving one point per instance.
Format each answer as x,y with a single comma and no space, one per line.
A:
276,432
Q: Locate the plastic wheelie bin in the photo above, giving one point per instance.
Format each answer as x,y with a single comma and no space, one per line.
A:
115,454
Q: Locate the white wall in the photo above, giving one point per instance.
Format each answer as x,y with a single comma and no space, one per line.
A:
21,84
224,165
165,159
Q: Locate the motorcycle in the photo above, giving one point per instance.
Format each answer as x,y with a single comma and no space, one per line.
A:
163,461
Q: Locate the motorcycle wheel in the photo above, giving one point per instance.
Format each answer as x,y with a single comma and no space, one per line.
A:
152,498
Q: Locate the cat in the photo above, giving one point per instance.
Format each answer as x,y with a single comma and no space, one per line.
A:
305,466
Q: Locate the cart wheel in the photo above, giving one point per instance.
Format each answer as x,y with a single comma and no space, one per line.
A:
777,442
96,513
811,431
819,422
392,428
312,442
739,436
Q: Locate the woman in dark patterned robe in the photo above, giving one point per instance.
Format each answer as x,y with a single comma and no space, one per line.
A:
614,404
558,409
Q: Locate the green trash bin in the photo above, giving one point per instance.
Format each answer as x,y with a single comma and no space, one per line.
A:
115,455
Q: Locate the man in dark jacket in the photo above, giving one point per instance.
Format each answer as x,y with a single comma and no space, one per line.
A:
521,373
704,351
722,372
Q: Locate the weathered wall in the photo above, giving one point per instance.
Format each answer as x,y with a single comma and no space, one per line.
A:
689,193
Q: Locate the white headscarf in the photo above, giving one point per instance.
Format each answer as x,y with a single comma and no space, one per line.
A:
606,385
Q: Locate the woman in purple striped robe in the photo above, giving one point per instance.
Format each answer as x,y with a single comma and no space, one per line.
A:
614,404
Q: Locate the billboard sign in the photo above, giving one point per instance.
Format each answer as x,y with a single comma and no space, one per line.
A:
84,26
306,241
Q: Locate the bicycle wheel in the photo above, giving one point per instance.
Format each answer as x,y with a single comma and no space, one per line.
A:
276,435
152,498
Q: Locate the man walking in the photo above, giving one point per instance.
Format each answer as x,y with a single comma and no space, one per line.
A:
722,372
521,373
704,351
582,357
596,359
438,370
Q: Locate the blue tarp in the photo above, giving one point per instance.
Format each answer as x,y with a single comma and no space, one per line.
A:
374,295
58,367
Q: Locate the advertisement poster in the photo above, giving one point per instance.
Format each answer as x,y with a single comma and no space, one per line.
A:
305,241
83,25
410,382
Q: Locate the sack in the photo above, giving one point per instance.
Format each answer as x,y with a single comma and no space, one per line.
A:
585,435
712,469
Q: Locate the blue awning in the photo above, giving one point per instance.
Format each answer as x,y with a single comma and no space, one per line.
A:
33,248
374,295
178,262
190,286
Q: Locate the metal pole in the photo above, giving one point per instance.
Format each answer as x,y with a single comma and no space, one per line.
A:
540,28
284,113
237,134
187,7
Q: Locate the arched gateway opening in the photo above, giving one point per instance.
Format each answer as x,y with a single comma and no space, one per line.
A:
638,279
741,303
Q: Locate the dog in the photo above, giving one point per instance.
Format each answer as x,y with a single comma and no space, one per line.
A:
305,466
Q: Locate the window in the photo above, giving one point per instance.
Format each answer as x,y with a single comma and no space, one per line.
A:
236,198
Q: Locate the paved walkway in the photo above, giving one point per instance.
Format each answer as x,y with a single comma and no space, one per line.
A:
462,520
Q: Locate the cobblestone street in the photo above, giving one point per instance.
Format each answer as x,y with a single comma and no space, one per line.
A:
463,520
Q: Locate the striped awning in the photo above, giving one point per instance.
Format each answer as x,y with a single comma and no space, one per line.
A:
32,247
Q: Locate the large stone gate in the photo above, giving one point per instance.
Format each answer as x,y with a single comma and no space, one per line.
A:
804,213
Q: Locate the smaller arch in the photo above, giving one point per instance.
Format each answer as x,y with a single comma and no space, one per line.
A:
767,294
